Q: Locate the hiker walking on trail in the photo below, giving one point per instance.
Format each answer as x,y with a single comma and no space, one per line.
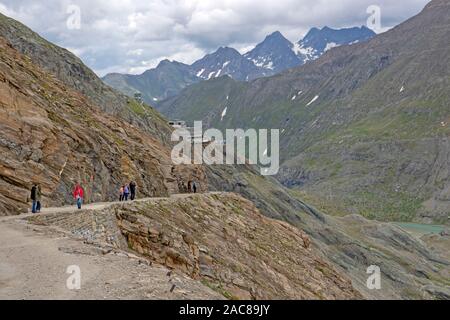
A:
194,187
33,198
121,193
78,195
133,188
38,198
126,193
182,187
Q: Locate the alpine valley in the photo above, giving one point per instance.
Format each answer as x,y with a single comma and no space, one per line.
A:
364,128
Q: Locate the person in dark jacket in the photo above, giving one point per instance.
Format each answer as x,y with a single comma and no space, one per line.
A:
38,198
33,198
133,189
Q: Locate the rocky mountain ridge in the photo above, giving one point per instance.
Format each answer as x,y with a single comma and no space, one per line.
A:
272,56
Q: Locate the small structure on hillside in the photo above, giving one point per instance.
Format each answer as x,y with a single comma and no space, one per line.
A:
177,124
138,97
195,136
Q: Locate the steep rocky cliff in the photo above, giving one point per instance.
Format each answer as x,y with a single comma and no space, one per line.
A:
70,70
55,136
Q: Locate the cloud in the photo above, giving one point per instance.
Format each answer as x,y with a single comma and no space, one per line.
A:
131,36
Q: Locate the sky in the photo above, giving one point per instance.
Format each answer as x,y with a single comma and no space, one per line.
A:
131,36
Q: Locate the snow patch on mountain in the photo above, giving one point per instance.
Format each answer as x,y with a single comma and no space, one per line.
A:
199,74
224,113
297,49
263,62
330,46
312,101
305,53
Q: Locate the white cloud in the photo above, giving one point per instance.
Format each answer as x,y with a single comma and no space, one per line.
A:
131,35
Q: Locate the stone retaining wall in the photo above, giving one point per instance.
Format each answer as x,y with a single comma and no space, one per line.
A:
91,225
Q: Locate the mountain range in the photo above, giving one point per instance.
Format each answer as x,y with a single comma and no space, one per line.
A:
272,56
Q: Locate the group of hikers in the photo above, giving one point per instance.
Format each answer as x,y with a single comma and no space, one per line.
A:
126,192
36,197
192,187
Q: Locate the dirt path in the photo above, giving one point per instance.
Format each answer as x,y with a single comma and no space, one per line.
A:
91,206
34,262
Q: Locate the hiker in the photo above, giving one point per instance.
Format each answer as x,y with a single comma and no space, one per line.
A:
133,188
126,193
194,187
33,197
183,188
38,199
78,195
121,193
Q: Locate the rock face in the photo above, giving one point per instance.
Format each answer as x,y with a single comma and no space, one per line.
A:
319,41
55,136
73,73
227,61
219,239
275,54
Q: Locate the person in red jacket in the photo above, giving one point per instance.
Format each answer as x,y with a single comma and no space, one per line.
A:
78,195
